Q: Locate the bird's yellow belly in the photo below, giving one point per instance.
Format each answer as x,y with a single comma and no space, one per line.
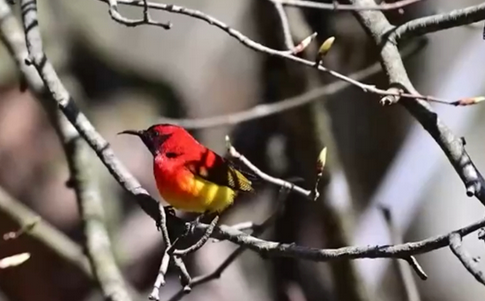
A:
197,195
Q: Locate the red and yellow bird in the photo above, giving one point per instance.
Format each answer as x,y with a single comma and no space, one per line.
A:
189,176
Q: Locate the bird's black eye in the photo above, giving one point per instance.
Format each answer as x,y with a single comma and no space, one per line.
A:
171,155
155,134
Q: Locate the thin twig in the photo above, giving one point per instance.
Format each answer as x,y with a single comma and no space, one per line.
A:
403,270
278,182
284,54
276,107
347,7
285,25
44,232
200,243
146,20
465,258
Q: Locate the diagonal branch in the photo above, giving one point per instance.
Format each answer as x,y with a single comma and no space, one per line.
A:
465,258
56,92
438,22
376,24
44,232
97,241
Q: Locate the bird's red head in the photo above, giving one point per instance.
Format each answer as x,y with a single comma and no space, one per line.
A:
160,138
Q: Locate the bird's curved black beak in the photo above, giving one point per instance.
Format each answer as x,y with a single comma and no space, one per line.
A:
132,132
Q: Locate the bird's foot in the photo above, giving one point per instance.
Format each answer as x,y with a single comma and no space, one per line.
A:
192,225
170,210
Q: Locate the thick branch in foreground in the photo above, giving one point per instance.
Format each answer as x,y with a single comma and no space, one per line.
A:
97,240
376,24
56,92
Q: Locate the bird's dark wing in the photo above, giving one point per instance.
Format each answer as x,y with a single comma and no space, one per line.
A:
220,171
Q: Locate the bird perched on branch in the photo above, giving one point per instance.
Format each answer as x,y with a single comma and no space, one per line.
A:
189,176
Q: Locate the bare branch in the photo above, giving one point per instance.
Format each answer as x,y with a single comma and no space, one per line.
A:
465,258
50,86
346,7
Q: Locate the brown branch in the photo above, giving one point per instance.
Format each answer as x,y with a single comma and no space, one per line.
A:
347,7
50,86
465,258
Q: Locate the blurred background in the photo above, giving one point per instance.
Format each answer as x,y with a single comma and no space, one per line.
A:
130,78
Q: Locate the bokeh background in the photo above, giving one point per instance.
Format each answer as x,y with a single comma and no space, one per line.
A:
125,78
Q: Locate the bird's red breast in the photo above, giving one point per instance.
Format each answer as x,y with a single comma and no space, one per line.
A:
191,177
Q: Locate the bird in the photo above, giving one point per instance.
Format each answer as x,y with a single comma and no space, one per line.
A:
189,176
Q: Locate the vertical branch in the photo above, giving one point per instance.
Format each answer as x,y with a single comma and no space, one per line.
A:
97,241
